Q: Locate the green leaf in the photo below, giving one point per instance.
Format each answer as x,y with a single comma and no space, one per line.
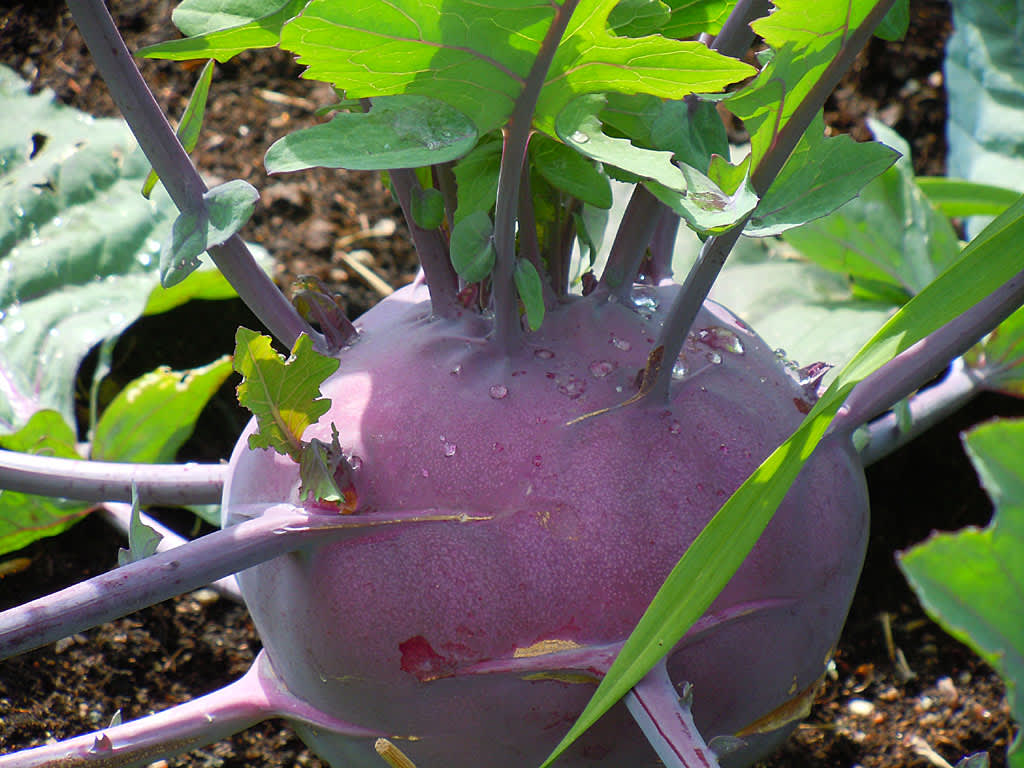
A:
999,358
691,194
957,198
398,132
691,17
426,207
320,467
570,172
78,247
24,517
283,395
888,237
636,18
984,79
530,291
154,415
191,121
804,44
971,582
211,41
477,178
896,22
988,262
225,209
142,540
821,175
472,247
476,55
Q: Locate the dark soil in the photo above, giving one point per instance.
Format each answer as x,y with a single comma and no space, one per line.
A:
900,686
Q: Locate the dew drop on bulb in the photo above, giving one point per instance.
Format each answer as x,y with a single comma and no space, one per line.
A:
498,391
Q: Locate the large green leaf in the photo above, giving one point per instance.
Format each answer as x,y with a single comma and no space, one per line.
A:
476,55
78,247
154,415
987,263
804,42
24,517
972,582
985,90
890,241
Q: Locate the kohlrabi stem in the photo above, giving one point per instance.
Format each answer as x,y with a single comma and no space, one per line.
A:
119,516
529,243
258,695
171,484
179,176
516,138
630,245
667,722
716,249
917,365
663,245
926,408
273,531
431,248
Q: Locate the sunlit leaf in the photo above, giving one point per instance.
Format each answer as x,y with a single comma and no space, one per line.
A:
283,395
142,540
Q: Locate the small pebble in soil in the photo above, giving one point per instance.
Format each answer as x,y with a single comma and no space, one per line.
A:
860,707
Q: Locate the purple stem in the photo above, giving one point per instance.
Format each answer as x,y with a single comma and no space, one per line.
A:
258,695
667,722
662,248
507,328
717,248
171,484
630,245
278,529
529,243
917,365
175,169
119,516
431,248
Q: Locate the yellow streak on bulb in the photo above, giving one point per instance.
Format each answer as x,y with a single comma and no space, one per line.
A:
392,755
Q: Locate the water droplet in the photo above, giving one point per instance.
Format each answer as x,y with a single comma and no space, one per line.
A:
713,357
356,462
645,302
498,391
53,333
579,137
56,221
425,472
456,370
724,340
601,368
763,379
19,211
449,448
780,353
145,259
679,370
570,386
544,354
537,461
675,428
620,344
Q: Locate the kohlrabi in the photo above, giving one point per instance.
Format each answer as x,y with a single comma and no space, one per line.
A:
454,518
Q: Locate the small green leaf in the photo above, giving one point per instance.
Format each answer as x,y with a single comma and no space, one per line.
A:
191,121
229,206
210,41
397,132
530,291
154,415
320,467
24,517
477,177
179,256
225,209
472,247
820,175
427,207
957,198
283,395
971,582
569,171
142,540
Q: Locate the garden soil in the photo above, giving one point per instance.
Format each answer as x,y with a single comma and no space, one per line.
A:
901,692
